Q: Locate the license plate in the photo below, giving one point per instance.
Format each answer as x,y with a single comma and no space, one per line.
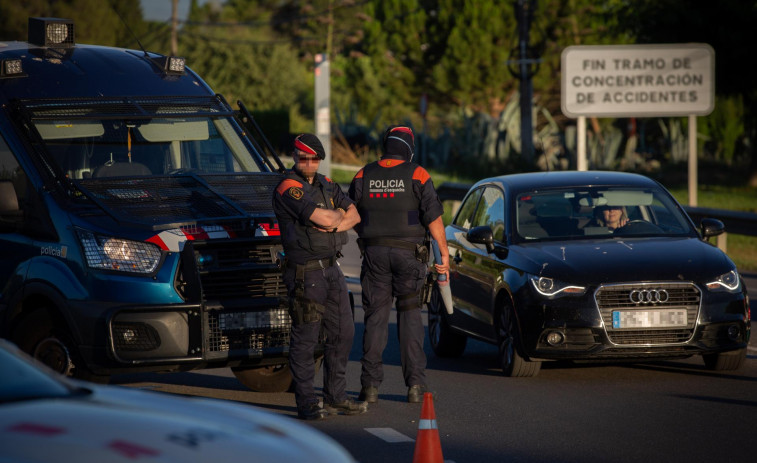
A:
662,318
268,319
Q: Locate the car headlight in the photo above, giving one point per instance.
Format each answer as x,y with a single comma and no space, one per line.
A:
728,281
550,287
109,253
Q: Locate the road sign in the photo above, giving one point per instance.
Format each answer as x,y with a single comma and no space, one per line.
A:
638,80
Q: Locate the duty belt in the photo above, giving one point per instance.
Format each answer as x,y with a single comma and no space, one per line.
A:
389,242
316,264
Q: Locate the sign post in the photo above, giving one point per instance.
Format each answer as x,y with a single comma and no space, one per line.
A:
639,81
322,109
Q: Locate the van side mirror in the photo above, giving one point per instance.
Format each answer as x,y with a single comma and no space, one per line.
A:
8,199
482,235
10,213
711,227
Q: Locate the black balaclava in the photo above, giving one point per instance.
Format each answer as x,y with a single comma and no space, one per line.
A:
399,143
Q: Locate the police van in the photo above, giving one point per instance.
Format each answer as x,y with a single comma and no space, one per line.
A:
136,226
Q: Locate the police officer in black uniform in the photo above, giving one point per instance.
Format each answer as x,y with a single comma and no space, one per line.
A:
314,215
398,204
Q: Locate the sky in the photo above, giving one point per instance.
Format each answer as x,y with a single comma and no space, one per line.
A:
160,10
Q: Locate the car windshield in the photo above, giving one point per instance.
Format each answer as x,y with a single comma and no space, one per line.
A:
22,380
91,148
594,212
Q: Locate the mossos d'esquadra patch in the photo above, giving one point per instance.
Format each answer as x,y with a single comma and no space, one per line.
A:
296,193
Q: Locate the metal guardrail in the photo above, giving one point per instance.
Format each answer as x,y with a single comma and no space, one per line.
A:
736,222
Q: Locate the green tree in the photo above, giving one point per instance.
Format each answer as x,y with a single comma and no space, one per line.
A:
383,76
248,61
729,27
474,41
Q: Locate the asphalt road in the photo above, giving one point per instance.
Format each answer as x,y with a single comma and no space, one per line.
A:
658,411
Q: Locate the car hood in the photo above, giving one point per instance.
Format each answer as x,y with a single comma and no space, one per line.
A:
119,424
634,259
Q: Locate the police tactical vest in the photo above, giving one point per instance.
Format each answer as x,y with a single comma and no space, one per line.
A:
388,207
317,243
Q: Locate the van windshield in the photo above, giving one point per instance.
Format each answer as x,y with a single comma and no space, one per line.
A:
91,148
138,136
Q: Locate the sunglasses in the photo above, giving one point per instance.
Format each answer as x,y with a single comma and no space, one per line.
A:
304,159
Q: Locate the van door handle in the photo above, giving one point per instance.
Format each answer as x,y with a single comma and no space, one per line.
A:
458,258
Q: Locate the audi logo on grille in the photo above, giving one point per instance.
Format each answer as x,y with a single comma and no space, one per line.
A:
648,296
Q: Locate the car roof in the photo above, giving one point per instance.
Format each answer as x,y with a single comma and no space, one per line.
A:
547,180
91,71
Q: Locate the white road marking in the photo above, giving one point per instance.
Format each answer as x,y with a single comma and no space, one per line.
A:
389,435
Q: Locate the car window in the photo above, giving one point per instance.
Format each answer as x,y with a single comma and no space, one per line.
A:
465,214
575,213
491,212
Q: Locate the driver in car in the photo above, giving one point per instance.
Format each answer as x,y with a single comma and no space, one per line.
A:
612,217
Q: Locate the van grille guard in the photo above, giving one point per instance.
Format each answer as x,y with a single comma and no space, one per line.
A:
123,107
172,201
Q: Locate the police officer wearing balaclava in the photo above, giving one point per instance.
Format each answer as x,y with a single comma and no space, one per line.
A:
314,215
398,204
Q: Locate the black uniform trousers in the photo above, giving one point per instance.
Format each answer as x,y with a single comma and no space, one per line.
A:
328,288
387,273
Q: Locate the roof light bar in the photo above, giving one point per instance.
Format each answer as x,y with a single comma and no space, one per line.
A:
51,32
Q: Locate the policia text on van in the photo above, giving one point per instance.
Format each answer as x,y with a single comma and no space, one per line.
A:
136,230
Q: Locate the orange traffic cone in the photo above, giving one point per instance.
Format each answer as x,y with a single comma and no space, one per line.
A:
428,448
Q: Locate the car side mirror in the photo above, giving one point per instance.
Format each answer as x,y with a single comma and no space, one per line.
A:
711,227
482,235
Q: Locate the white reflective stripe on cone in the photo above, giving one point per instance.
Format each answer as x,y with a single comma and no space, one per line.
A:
427,424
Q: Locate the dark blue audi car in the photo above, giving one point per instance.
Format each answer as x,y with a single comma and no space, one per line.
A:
587,266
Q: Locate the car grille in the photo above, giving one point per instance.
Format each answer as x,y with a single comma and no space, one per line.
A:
617,297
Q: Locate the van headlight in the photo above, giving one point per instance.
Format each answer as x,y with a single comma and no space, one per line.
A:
728,281
549,287
109,253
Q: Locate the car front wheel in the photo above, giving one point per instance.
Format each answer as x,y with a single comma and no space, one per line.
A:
511,362
444,341
725,361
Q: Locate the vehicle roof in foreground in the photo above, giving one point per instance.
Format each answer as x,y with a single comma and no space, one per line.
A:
120,424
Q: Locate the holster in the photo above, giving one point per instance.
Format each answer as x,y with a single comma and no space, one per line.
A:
301,309
422,253
428,285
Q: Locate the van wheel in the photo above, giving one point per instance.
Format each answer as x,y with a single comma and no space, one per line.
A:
273,378
444,341
512,363
49,342
724,361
